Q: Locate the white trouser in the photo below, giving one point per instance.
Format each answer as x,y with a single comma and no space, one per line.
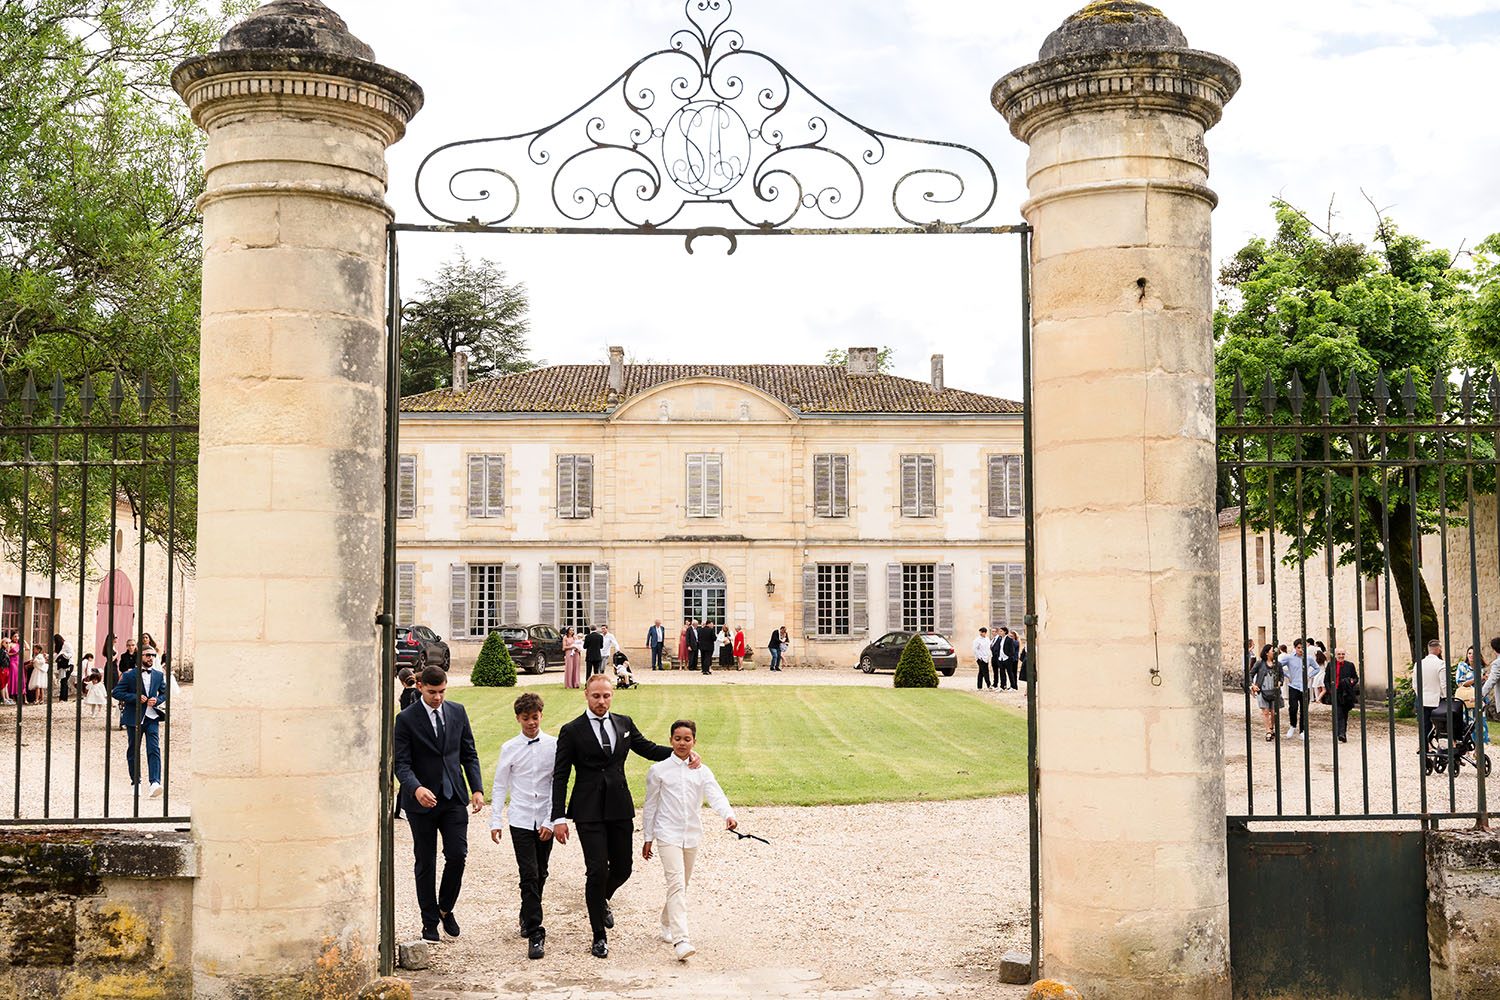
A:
677,866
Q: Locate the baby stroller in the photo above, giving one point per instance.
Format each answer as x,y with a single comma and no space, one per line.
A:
1451,735
623,677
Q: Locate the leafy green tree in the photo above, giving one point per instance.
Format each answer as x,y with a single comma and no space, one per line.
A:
494,668
885,360
469,304
915,669
1479,317
1311,302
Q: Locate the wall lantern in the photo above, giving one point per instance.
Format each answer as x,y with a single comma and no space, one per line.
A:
770,587
639,586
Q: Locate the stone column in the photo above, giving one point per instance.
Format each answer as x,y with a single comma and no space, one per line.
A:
1134,891
285,774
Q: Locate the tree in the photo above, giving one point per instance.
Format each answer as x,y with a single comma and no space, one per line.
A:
915,669
469,304
1312,303
100,242
884,361
494,667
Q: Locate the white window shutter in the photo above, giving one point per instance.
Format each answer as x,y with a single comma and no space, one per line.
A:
1015,595
859,599
406,486
713,485
999,595
494,478
583,477
839,477
599,595
893,597
1013,484
695,486
996,486
548,597
476,486
909,506
945,599
809,598
822,485
927,483
566,493
406,593
510,594
458,601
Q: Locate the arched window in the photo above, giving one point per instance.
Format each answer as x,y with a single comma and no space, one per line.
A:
705,593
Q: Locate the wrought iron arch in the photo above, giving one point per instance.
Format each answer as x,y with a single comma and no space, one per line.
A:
706,575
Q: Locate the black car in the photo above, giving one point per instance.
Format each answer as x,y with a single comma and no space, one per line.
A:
885,652
418,645
533,648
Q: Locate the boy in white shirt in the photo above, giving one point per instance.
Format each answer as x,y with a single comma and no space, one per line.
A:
672,822
525,774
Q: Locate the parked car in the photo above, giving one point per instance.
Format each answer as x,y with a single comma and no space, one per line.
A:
418,645
533,648
885,652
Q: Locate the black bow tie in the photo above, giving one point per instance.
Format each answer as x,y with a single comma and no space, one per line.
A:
537,740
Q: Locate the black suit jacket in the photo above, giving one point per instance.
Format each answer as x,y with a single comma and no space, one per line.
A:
706,638
600,791
593,647
775,642
1011,647
420,762
1348,681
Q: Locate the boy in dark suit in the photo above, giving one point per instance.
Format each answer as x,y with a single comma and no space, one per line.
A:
437,765
595,745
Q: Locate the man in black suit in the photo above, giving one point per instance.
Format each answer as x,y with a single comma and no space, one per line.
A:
707,635
595,745
1011,649
593,652
437,766
656,637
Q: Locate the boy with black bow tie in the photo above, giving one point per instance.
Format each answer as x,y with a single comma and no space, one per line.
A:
524,773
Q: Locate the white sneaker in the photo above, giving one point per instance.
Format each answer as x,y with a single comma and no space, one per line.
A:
1290,732
1302,735
155,790
684,950
665,934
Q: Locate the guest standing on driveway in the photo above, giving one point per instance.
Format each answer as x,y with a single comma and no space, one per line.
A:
593,652
656,638
524,776
572,659
595,745
1342,678
740,647
686,644
982,657
437,765
1433,683
775,648
786,644
724,647
1299,669
609,649
708,636
142,694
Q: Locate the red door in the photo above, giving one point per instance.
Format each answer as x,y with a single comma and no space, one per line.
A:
114,617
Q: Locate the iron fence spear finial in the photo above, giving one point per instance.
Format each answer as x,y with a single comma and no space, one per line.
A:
1354,397
1324,395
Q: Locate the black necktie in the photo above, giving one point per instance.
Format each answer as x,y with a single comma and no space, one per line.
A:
448,787
609,751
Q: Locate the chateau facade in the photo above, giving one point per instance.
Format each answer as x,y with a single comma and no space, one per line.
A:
833,500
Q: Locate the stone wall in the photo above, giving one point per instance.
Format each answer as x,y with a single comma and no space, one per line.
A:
95,913
1463,915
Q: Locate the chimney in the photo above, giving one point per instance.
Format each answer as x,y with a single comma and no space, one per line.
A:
937,373
461,369
863,361
617,370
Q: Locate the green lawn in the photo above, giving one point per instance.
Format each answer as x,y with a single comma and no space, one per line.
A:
813,745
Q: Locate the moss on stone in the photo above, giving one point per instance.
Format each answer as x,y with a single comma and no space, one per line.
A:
122,986
1115,11
1051,989
114,932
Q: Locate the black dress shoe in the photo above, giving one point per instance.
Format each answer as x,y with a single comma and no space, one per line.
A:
431,935
537,948
450,924
600,948
609,916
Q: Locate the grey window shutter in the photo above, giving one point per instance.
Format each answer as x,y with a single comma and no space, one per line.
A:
1013,483
927,491
583,477
892,597
406,486
809,598
458,601
406,593
859,599
547,610
566,505
510,594
909,507
996,490
494,479
839,501
999,595
1015,595
945,598
713,485
599,587
822,485
476,486
695,486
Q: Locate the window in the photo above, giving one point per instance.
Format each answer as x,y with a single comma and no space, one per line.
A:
918,597
1005,486
705,480
483,598
575,486
486,485
485,595
574,595
1372,593
831,485
833,599
705,594
1008,595
406,486
406,592
1260,559
918,486
43,611
10,614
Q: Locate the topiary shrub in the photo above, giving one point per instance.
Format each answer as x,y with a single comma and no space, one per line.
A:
915,669
494,668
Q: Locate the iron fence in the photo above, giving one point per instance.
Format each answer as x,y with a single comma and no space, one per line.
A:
79,472
1374,522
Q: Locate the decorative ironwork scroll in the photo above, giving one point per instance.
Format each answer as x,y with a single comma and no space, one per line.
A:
703,137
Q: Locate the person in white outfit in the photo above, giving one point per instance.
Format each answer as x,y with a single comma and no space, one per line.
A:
524,775
982,657
672,825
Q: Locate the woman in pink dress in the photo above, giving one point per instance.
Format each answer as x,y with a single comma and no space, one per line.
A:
17,677
5,674
572,657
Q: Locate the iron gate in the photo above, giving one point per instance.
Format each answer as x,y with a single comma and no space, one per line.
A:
704,139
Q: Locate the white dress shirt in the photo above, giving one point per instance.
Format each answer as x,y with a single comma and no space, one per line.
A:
1434,679
982,649
610,646
524,773
675,794
609,724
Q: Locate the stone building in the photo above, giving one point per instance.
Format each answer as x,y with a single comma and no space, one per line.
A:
834,500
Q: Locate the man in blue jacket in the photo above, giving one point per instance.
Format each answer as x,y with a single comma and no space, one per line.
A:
142,694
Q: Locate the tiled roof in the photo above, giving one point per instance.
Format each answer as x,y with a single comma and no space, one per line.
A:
1229,517
808,388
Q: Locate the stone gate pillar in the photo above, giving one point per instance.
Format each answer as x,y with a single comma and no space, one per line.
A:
1131,755
285,770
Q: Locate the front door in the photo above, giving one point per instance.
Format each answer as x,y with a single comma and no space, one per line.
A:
705,594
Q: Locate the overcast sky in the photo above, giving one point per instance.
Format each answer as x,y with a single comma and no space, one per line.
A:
1395,97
